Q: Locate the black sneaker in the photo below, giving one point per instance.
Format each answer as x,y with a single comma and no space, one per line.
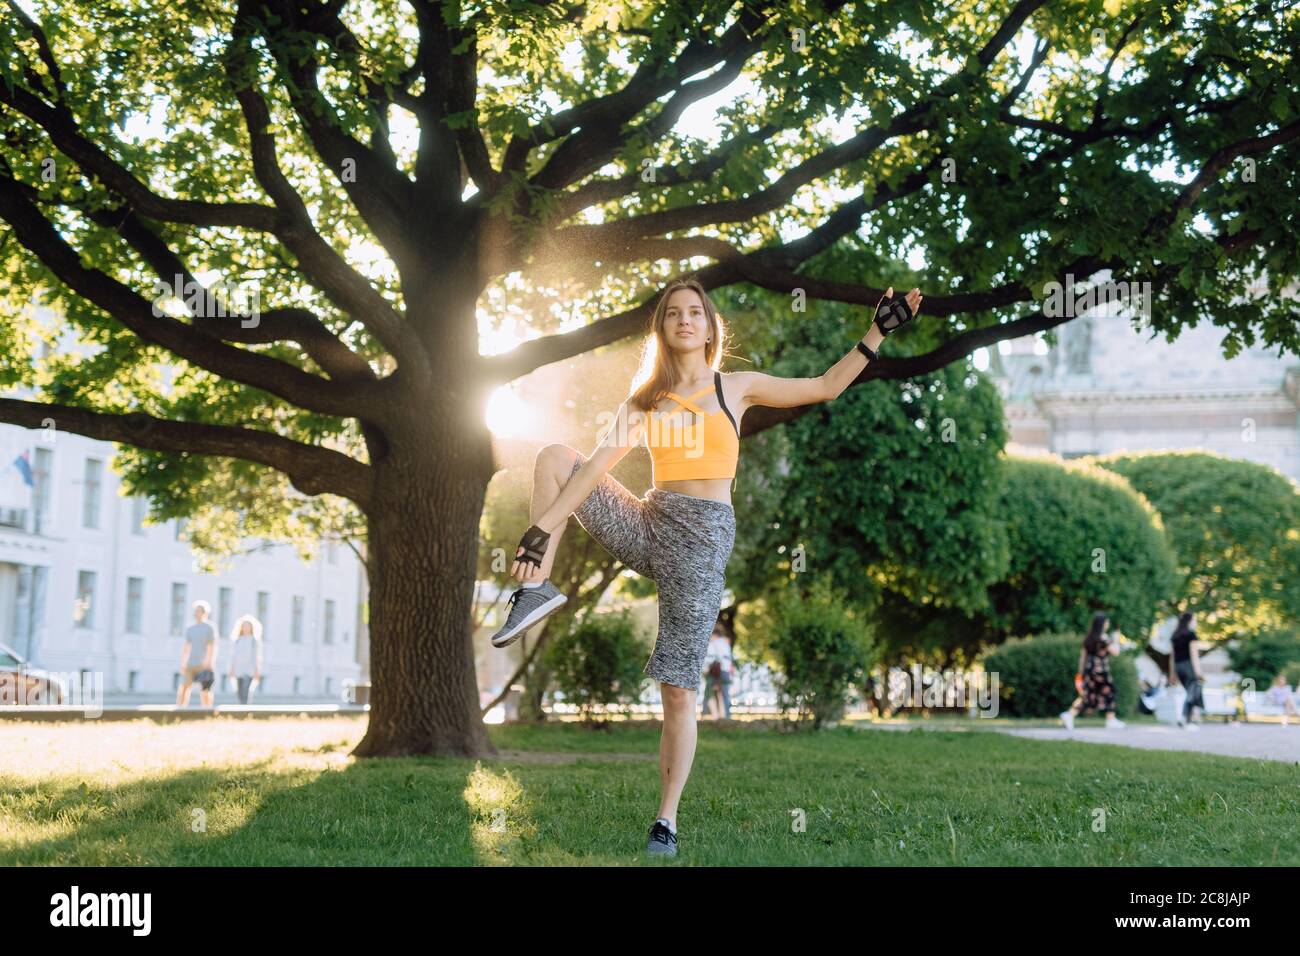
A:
526,607
663,842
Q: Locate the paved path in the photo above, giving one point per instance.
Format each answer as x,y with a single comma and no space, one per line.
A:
1265,741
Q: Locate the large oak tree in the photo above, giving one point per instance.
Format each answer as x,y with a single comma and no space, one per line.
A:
397,177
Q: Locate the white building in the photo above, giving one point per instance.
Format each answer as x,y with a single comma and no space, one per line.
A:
1107,388
85,585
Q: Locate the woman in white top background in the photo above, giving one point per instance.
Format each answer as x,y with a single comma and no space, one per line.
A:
718,669
246,656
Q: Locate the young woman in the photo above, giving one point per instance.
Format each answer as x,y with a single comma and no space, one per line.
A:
1185,666
718,670
680,534
246,655
1097,687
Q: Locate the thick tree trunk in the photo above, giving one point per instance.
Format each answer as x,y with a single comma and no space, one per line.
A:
424,540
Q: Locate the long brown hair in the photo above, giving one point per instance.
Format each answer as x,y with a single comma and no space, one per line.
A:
1096,633
657,373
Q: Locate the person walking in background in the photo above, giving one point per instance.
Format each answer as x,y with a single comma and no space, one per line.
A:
718,668
1096,686
1279,695
246,655
1185,666
198,657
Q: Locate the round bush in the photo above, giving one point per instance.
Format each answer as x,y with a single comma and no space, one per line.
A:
1081,540
600,661
1036,675
820,649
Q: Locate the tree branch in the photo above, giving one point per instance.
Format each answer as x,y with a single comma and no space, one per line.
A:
591,149
604,190
438,159
312,469
654,77
191,343
43,49
381,193
62,129
346,287
272,325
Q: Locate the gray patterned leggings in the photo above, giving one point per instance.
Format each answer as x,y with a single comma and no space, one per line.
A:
682,543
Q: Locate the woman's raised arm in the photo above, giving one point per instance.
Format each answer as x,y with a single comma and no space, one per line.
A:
759,388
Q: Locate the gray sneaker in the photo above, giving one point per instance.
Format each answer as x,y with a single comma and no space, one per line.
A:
663,842
528,606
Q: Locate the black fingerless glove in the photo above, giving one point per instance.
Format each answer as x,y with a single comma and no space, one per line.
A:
892,313
534,544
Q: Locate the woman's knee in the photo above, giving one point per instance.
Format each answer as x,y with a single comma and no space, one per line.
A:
677,698
557,457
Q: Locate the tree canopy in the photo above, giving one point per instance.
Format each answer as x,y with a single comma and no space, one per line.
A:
532,157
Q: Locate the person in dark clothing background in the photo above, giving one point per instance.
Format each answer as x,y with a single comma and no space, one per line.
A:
1096,686
1185,666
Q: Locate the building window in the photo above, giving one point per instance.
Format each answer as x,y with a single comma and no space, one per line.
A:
329,686
132,681
223,611
139,505
297,683
90,492
295,628
83,612
332,552
178,529
329,622
263,609
178,608
134,603
41,468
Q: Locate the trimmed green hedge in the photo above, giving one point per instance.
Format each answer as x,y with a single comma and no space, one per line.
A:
1063,518
1231,525
1036,676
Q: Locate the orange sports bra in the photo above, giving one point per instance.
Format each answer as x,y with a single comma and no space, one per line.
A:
709,447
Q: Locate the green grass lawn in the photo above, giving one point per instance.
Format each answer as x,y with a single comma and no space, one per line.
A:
284,792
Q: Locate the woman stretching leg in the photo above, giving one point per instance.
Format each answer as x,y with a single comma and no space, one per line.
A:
681,533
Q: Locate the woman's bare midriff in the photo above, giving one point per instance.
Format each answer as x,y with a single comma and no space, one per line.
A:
719,489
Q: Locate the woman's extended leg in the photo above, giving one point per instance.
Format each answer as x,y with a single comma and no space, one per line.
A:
676,748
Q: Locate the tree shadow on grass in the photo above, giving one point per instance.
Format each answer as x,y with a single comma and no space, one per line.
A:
368,812
394,812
